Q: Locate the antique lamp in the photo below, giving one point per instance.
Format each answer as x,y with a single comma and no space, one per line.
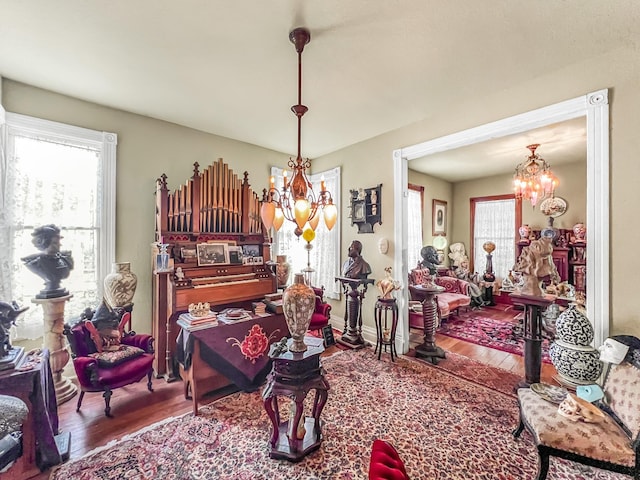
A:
297,201
533,179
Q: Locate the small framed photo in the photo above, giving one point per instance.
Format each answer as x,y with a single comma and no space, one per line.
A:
258,261
251,250
235,255
247,260
439,212
213,254
188,254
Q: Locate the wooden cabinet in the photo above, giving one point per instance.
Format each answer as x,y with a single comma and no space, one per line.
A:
561,259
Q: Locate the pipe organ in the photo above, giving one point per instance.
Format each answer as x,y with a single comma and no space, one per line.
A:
213,213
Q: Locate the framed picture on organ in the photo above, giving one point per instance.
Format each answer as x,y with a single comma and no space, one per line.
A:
439,213
213,254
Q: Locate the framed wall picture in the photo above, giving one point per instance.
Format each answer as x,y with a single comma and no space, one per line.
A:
213,254
439,212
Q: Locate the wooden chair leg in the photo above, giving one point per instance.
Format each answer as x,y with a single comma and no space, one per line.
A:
543,464
107,400
149,385
80,397
516,433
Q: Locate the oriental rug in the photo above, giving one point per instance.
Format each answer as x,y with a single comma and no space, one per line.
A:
444,428
477,326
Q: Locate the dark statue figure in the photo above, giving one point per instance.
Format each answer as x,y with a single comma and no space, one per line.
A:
50,264
430,260
9,312
356,266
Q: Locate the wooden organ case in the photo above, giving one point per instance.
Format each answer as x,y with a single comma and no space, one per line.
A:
213,206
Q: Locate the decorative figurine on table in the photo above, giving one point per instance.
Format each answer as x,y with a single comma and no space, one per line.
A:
356,266
387,285
51,264
9,312
430,260
535,263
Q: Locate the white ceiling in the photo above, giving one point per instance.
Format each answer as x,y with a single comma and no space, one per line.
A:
372,66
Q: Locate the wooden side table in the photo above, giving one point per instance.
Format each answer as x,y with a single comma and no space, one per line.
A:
293,375
385,333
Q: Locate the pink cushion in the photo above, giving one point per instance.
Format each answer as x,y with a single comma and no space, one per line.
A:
385,463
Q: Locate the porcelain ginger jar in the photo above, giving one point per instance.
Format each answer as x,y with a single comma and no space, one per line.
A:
576,361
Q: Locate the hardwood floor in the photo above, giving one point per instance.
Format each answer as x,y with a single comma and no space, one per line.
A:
134,408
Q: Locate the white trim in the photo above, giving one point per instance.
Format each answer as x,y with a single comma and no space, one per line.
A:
595,107
106,142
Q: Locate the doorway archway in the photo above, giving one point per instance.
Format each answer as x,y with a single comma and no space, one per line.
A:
595,107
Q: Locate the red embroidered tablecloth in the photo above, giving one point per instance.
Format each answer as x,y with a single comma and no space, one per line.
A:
238,350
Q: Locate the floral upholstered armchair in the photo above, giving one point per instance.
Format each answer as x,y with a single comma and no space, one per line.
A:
611,443
455,295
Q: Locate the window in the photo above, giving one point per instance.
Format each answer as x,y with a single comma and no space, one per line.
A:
324,257
415,204
55,173
494,219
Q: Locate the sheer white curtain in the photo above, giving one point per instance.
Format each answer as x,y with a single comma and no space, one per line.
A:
414,226
494,221
55,173
325,254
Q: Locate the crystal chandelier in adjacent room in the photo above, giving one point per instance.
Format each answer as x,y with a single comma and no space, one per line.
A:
296,201
533,179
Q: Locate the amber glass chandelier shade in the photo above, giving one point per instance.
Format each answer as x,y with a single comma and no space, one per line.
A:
278,218
301,212
314,221
268,214
330,215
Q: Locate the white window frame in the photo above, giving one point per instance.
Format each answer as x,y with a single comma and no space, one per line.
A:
106,143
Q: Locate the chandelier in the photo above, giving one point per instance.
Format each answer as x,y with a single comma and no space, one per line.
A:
297,201
533,179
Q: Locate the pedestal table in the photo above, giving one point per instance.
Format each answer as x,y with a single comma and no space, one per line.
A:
427,293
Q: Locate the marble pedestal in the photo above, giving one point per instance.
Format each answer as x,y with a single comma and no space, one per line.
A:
55,342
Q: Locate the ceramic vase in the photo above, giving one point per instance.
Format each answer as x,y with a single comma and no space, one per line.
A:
580,231
576,361
525,232
120,285
298,304
282,270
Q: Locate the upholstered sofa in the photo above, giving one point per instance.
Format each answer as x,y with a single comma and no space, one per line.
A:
454,297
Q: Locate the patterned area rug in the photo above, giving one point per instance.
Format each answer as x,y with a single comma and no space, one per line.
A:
475,327
444,428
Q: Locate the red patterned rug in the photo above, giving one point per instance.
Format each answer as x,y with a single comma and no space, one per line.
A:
444,428
477,327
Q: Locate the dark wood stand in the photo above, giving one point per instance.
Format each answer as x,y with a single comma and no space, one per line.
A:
428,349
354,288
385,333
533,309
293,375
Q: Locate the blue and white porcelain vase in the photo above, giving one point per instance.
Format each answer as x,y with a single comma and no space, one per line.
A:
576,361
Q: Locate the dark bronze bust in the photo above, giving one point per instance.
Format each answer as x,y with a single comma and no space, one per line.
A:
356,266
430,260
50,264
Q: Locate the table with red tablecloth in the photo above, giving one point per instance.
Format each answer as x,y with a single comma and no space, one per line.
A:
238,350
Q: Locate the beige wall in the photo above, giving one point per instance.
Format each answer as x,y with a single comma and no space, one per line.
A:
148,147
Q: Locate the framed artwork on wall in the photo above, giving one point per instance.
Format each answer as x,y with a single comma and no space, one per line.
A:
439,217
